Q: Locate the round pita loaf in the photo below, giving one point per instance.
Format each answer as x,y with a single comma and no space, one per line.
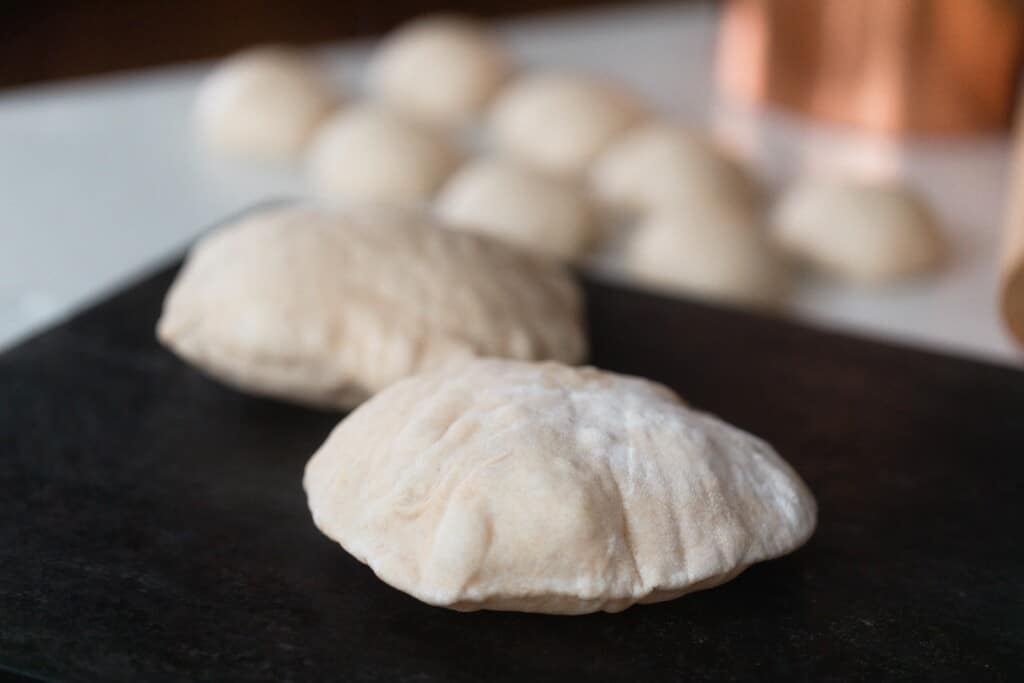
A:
325,308
496,484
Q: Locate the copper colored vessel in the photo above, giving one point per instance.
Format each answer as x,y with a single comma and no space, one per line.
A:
895,66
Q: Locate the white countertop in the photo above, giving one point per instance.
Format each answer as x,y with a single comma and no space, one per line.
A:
101,178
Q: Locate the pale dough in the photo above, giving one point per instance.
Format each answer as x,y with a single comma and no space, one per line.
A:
370,154
263,104
559,122
658,164
864,232
327,307
524,207
443,69
538,487
711,250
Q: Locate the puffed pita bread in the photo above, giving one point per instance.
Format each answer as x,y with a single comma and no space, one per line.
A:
326,307
496,484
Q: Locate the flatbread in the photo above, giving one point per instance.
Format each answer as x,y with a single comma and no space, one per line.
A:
496,484
327,307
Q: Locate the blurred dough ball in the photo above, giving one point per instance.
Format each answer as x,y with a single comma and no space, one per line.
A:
658,164
441,69
711,250
519,205
368,153
263,103
560,122
863,232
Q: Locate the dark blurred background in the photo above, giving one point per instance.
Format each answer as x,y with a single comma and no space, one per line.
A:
48,39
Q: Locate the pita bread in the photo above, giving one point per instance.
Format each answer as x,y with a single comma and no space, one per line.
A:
327,307
496,484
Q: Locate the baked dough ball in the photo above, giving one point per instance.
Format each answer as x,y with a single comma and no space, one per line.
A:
263,103
518,205
560,122
711,250
657,164
369,154
863,232
325,307
542,488
442,69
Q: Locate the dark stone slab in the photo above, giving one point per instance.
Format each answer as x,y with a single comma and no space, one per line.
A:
153,525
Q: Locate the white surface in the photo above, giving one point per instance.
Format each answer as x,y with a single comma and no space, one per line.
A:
102,178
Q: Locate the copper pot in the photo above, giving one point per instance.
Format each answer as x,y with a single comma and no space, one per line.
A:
895,66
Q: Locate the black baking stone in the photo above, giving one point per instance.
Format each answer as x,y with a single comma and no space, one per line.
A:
153,525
